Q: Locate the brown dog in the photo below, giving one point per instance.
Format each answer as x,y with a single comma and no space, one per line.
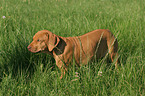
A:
82,49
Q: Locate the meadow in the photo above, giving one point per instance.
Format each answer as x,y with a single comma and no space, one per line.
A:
23,73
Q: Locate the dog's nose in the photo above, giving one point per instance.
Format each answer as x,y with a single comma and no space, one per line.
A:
29,47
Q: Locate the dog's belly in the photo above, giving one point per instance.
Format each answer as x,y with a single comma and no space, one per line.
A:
101,49
85,54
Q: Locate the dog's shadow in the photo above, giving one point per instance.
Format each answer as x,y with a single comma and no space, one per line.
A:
18,61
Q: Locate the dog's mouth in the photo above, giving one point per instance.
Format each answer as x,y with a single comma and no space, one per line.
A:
33,51
36,50
39,51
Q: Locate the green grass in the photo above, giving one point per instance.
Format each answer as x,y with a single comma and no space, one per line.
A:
25,73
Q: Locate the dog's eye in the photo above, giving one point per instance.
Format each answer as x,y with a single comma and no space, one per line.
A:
38,40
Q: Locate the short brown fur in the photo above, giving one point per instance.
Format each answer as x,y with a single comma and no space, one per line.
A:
83,48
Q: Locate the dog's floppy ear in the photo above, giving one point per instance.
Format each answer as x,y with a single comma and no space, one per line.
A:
53,41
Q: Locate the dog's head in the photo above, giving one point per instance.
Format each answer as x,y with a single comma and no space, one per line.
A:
43,41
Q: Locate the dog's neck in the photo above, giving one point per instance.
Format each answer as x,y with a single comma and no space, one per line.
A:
59,48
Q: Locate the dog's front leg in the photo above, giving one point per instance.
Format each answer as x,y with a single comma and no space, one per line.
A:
62,72
62,68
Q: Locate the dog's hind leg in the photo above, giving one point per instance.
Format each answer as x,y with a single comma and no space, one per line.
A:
113,51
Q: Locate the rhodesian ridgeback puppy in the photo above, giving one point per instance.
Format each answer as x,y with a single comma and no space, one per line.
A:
82,49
